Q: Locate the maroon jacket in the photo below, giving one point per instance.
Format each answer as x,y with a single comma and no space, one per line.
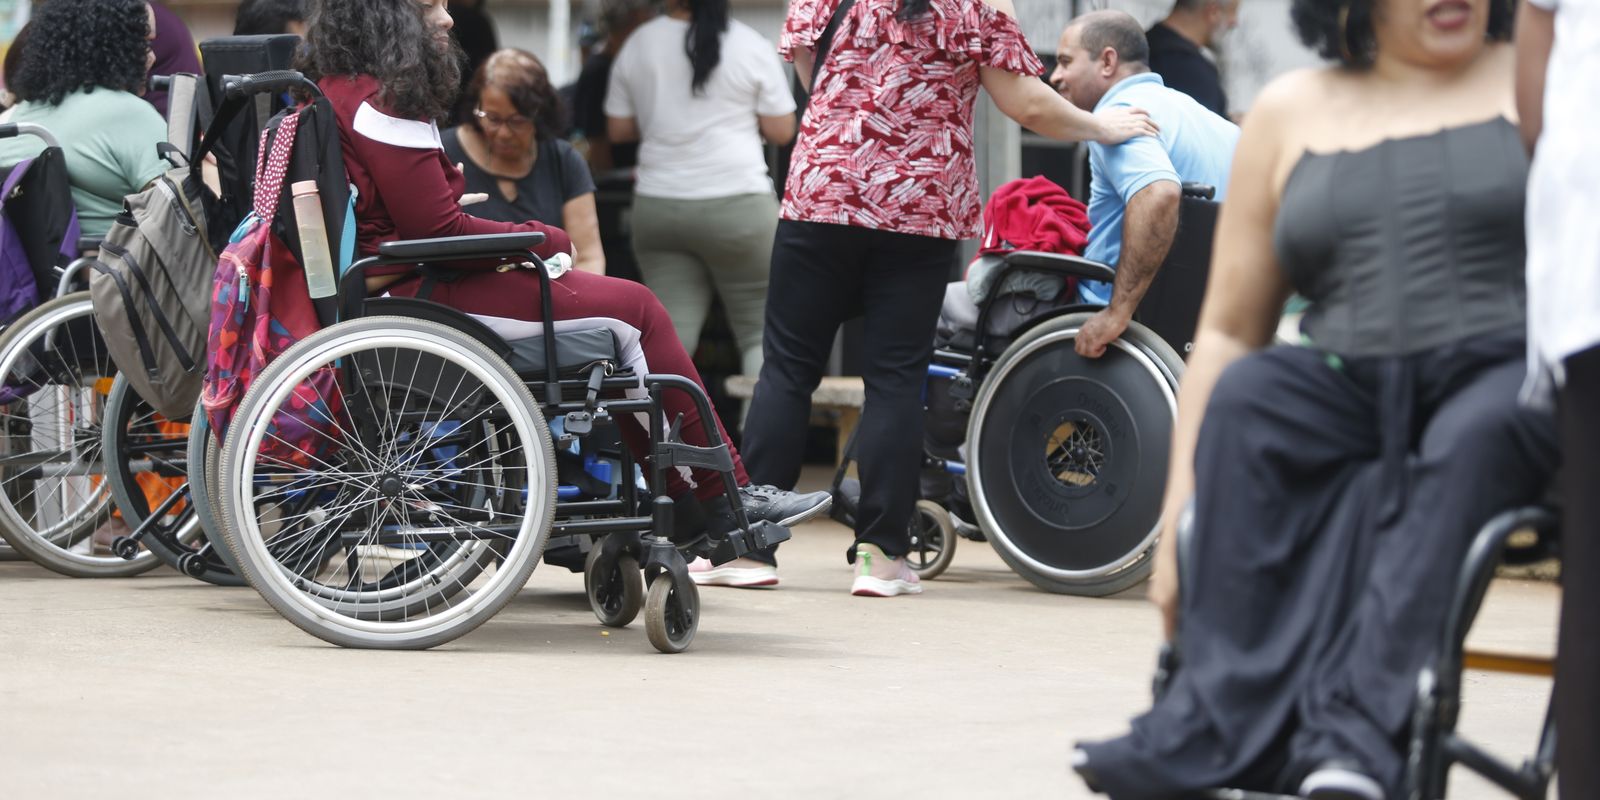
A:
407,188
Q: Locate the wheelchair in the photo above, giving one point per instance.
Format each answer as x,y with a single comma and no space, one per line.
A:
1433,745
1059,460
428,499
55,379
181,528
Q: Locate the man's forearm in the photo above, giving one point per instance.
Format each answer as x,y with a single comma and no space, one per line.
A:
1148,228
1535,37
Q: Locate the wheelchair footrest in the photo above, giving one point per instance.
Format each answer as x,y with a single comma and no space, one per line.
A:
739,544
677,454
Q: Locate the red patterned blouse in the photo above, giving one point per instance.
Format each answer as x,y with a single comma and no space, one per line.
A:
887,140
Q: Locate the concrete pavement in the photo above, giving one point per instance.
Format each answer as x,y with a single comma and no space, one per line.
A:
162,687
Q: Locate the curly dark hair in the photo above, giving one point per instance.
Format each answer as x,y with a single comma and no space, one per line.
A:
523,78
78,45
390,40
1346,36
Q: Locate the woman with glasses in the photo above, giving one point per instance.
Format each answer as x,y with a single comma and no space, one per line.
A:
508,152
700,92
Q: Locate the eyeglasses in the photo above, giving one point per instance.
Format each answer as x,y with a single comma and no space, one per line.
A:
518,123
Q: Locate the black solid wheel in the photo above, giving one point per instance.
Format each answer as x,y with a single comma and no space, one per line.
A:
933,540
1068,456
615,587
671,613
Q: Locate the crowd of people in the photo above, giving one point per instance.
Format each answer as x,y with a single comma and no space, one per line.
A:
1448,358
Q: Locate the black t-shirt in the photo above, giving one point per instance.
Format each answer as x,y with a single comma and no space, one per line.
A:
558,175
589,108
1182,66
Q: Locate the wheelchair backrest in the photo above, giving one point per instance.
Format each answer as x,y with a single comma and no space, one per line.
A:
40,230
238,141
1171,306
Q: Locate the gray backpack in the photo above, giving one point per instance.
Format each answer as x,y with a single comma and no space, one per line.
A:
151,284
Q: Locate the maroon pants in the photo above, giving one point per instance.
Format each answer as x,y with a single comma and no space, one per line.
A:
515,294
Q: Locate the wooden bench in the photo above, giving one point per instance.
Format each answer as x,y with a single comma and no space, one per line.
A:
843,395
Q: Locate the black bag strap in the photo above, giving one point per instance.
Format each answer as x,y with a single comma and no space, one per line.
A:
825,42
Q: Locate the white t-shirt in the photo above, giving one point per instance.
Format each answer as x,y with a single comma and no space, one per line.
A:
1564,203
697,147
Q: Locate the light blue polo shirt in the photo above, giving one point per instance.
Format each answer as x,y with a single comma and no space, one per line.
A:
1195,146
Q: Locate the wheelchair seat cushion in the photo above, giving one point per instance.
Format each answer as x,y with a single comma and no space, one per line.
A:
579,343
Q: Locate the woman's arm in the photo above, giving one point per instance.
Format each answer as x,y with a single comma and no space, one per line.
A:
778,129
621,130
1536,33
582,223
418,195
1244,298
1037,107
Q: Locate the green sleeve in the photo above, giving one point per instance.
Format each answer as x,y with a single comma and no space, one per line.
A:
137,146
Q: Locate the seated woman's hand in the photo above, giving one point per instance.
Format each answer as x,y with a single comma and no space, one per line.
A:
1121,123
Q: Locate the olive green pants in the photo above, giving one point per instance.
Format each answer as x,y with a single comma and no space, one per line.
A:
688,249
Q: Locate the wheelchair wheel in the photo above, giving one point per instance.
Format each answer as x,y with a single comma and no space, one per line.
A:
933,540
418,515
671,613
1067,456
54,376
139,442
204,456
615,587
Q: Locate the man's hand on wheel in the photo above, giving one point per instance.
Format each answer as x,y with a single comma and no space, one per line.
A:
1099,332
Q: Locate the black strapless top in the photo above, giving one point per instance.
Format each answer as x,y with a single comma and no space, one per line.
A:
1410,244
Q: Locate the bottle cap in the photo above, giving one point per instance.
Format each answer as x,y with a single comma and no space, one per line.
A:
303,187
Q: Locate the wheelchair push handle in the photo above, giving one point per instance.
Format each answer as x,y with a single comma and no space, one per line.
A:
12,130
237,86
1200,191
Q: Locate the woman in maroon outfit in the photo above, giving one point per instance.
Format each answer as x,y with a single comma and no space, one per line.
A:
390,71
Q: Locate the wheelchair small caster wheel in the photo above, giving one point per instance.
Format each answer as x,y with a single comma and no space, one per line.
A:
671,613
125,548
615,587
192,564
933,540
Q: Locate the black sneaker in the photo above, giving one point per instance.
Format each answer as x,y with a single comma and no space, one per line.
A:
771,504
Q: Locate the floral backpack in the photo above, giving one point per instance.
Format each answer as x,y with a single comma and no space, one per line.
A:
259,308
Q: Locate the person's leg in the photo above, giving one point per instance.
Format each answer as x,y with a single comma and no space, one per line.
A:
1480,453
665,252
902,293
815,279
1283,468
1578,653
580,295
738,251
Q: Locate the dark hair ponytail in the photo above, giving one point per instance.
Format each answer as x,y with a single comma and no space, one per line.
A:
708,20
911,9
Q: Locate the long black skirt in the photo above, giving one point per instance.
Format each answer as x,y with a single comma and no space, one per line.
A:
1334,503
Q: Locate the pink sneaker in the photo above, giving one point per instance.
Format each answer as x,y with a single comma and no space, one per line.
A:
740,573
878,575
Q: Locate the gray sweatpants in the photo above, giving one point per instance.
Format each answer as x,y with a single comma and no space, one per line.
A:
689,248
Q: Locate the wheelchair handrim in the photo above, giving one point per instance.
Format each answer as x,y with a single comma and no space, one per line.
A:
991,526
95,502
317,604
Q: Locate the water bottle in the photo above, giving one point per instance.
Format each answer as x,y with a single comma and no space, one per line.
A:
318,262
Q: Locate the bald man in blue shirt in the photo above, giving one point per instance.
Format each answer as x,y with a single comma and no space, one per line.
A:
1103,61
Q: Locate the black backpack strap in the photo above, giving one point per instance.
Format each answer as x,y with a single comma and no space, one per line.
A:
825,42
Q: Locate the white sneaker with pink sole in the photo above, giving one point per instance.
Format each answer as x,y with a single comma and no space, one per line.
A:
740,573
